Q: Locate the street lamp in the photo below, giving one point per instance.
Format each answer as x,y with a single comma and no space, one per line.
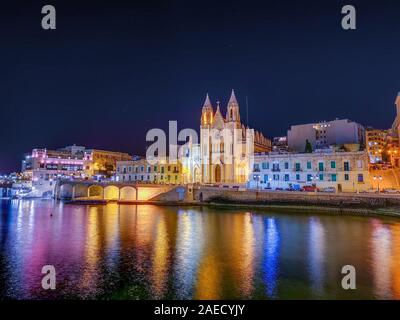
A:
315,177
256,177
379,179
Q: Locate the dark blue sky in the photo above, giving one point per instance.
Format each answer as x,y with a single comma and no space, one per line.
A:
115,69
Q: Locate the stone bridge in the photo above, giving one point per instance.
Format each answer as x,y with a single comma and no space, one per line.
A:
110,190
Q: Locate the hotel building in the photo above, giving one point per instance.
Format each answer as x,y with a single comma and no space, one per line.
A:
325,134
344,171
43,167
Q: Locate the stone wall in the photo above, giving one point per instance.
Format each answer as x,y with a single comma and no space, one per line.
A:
222,195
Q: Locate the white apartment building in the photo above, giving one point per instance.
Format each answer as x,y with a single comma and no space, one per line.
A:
141,171
345,171
325,134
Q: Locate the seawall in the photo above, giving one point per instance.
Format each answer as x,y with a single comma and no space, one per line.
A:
350,202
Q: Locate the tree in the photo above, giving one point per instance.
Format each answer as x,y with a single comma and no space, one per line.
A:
308,148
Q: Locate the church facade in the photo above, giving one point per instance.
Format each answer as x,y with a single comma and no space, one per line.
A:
226,148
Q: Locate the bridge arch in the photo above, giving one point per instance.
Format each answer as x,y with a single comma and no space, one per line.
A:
111,193
79,191
128,194
96,191
66,191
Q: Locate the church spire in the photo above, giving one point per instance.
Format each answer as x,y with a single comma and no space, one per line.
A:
232,99
207,113
207,102
218,119
232,112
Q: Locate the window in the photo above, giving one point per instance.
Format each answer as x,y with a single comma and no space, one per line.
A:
141,178
346,177
162,169
275,167
360,177
256,167
141,169
297,177
265,165
276,177
309,177
321,177
286,165
298,167
286,177
359,164
334,177
346,166
309,165
321,166
333,164
266,178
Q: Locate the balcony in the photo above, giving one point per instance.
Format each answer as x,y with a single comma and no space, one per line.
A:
276,170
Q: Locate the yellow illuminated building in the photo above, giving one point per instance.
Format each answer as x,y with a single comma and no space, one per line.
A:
101,162
142,171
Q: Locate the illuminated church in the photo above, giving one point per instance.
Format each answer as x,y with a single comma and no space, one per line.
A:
226,148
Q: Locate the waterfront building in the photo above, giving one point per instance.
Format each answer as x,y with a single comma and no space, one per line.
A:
71,161
206,162
393,150
103,163
396,123
375,141
344,171
325,134
280,144
43,166
141,171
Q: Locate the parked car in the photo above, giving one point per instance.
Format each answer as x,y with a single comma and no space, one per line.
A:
391,190
329,190
310,188
370,191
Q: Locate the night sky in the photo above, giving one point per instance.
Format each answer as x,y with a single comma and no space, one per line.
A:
112,70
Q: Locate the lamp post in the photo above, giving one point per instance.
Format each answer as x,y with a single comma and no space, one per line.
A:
315,177
256,177
378,179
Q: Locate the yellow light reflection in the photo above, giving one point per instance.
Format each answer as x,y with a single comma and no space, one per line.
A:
395,266
160,260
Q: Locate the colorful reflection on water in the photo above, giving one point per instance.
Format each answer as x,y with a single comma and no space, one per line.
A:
149,252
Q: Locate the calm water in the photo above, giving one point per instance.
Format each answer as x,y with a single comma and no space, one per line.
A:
148,252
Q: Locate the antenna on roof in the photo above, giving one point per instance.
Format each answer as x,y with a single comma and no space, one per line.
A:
247,112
